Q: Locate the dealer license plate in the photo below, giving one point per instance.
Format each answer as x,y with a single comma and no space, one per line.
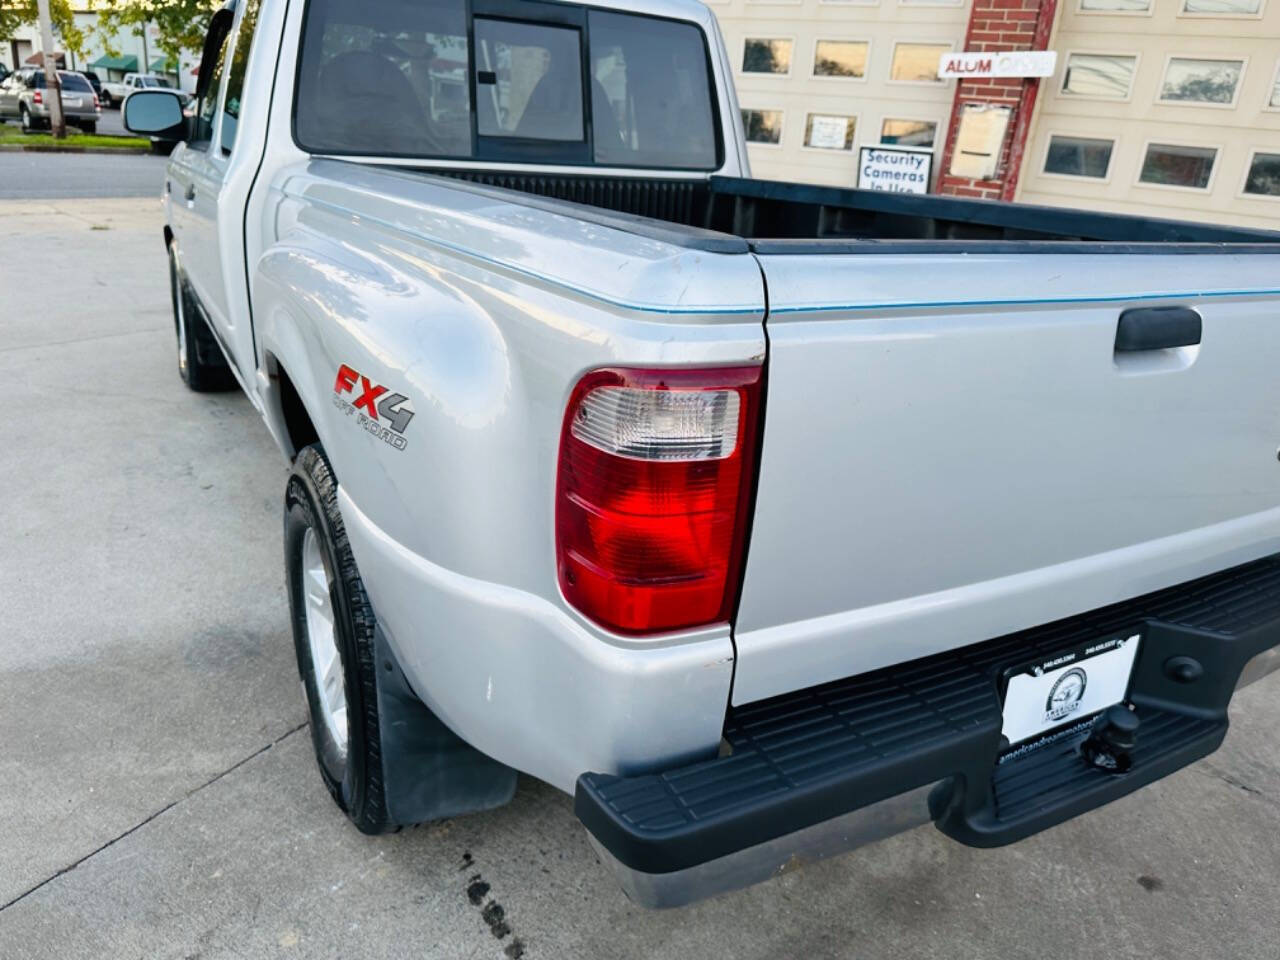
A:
72,101
1068,687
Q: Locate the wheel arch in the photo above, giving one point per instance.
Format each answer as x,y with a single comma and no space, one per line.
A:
287,412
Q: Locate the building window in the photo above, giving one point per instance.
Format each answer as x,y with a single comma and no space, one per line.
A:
1187,80
1079,157
766,56
1115,6
763,126
1230,8
840,58
930,3
1275,90
1170,165
909,133
1264,175
917,62
1099,75
825,132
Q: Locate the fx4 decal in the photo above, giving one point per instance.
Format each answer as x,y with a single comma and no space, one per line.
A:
384,414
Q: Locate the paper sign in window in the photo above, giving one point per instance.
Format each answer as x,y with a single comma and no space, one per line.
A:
979,140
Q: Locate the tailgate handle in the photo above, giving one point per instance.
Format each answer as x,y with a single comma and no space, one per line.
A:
1157,328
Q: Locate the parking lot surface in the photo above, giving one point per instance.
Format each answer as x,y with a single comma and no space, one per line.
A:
157,790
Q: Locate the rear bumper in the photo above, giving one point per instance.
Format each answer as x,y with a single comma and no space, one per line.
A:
834,767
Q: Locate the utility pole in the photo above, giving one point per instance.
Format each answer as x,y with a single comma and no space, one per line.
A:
52,82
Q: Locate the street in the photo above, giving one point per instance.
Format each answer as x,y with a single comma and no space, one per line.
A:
51,175
157,786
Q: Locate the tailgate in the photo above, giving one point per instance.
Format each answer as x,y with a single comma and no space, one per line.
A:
954,449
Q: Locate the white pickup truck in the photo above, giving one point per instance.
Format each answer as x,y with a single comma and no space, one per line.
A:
764,519
114,92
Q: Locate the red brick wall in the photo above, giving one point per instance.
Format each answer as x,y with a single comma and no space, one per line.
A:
999,26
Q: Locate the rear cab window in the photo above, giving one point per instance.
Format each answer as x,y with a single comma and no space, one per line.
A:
510,80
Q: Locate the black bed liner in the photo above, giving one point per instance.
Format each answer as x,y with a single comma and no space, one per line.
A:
729,214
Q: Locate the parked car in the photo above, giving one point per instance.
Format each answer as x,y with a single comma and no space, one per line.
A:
94,81
4,72
763,518
116,91
24,97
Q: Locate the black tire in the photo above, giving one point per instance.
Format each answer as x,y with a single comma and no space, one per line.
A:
354,780
201,364
89,127
29,125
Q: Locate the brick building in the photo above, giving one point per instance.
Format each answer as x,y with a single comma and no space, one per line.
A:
1162,107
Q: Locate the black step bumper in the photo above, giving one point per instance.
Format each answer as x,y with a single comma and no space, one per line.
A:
822,755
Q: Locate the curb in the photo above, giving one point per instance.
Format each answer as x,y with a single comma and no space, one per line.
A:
40,148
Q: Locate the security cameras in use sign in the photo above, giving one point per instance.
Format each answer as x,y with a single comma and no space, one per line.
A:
894,169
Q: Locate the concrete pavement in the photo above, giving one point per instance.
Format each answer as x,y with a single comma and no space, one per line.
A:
157,791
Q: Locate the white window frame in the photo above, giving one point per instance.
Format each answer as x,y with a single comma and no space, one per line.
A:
1071,177
938,84
742,56
782,134
774,3
827,151
1184,15
1206,190
910,4
1243,60
851,3
1061,94
1270,91
813,60
1149,12
939,125
1244,177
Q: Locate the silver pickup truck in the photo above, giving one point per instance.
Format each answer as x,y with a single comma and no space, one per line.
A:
764,519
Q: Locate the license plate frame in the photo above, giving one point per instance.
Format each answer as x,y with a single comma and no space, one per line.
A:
1040,698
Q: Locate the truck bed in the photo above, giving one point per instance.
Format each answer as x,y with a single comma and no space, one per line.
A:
768,213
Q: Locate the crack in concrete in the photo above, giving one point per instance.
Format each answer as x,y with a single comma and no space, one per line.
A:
95,336
142,823
1233,781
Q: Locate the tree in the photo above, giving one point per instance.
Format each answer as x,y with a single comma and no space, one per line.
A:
22,13
181,24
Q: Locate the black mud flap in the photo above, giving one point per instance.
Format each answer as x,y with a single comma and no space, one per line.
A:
429,772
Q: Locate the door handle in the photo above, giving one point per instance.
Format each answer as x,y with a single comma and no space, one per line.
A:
191,193
1157,328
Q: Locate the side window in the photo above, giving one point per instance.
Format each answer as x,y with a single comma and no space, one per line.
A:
209,103
235,79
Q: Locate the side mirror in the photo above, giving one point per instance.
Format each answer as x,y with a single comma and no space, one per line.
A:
156,113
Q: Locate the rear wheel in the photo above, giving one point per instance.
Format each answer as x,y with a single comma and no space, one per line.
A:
28,122
89,127
333,625
200,361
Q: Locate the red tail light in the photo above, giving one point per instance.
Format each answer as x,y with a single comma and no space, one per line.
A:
37,98
654,487
96,105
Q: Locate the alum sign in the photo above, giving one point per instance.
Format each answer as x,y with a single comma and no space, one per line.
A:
1013,63
894,169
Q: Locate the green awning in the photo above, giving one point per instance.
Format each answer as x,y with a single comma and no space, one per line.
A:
167,65
127,64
